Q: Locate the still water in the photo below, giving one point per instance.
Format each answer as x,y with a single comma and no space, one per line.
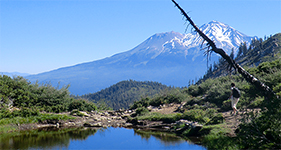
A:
100,139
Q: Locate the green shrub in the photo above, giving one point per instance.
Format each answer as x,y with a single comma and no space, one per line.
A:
256,103
76,112
194,90
171,118
200,115
22,94
195,101
263,128
166,118
26,112
5,113
195,115
23,112
82,105
217,119
144,102
226,105
141,111
277,89
173,96
158,101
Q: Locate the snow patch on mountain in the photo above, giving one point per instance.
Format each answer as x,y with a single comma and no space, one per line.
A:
190,44
171,45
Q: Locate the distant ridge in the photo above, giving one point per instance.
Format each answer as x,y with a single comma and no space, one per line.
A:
11,74
125,93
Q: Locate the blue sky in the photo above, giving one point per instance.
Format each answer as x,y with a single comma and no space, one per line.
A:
42,35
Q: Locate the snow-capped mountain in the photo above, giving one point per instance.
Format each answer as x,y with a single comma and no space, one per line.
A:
224,36
170,58
186,45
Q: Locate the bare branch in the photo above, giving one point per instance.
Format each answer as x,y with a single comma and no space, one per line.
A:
210,44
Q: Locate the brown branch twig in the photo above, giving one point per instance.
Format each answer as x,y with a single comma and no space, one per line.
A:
250,78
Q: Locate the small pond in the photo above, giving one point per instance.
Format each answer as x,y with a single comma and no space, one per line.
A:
89,138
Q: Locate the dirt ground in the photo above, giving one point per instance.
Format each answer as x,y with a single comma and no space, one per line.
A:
231,121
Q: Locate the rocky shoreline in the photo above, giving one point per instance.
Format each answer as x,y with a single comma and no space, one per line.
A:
83,119
119,118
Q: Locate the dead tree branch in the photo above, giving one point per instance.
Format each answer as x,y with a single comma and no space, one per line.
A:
211,46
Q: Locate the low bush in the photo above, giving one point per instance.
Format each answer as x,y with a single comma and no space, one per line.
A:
263,127
76,112
82,105
141,111
144,102
57,117
217,119
166,118
200,115
23,112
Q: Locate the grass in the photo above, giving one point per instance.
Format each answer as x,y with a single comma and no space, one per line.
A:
154,116
18,120
8,128
43,117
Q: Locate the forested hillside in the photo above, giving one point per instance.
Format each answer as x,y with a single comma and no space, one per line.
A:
260,50
124,93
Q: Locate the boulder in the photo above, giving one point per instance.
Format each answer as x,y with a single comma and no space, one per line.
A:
95,124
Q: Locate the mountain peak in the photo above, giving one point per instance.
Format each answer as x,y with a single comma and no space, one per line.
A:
168,34
167,43
216,27
214,22
163,37
224,36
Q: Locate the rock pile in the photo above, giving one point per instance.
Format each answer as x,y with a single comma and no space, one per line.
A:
120,118
99,119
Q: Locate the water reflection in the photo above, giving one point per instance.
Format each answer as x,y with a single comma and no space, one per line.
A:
89,138
43,139
167,139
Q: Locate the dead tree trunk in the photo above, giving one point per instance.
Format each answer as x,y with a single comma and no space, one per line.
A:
211,47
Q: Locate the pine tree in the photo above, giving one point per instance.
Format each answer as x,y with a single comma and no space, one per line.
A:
244,48
232,54
240,51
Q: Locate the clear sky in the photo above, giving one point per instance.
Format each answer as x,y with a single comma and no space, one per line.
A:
42,35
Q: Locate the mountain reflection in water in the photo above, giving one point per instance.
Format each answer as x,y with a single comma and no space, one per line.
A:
90,138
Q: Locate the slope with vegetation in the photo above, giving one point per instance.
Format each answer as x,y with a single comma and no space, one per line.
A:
257,52
22,102
124,93
258,124
205,103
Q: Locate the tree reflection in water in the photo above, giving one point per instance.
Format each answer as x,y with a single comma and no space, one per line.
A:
44,139
165,138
